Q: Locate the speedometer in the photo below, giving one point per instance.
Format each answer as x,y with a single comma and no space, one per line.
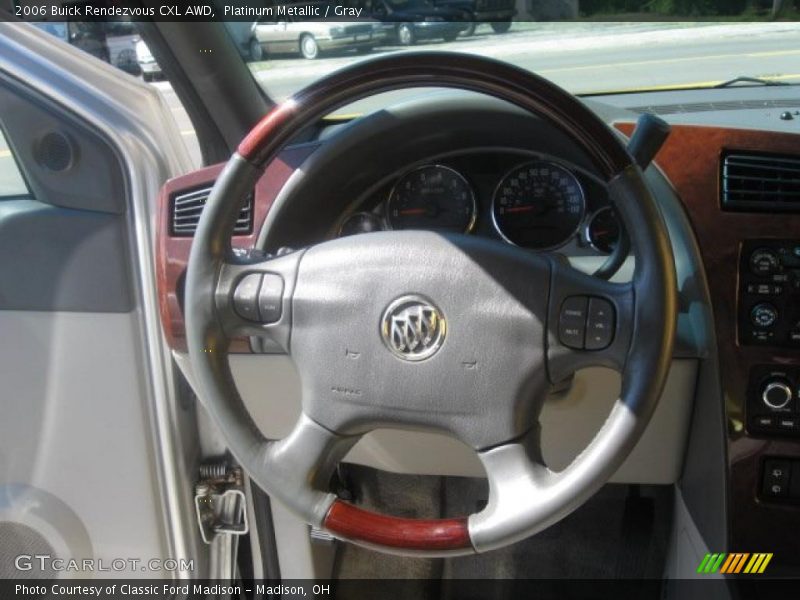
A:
538,205
432,197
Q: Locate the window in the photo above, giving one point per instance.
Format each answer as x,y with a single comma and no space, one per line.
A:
11,181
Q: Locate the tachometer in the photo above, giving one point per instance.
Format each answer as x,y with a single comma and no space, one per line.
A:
432,197
538,205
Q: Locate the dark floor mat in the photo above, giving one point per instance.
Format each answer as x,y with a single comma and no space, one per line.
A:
405,496
612,535
622,532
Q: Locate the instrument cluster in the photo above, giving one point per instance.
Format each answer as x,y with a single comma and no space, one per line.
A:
532,202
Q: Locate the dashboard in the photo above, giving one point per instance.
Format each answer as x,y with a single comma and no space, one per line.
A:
531,201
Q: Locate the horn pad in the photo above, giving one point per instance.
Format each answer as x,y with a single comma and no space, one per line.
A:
414,328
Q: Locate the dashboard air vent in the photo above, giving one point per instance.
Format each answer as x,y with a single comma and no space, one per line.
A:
186,209
760,182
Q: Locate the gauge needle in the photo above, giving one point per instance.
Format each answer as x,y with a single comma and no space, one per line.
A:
516,209
413,211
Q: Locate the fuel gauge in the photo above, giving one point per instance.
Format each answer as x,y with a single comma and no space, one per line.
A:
360,222
602,230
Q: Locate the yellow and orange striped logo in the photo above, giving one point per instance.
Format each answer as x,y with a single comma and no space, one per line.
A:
735,562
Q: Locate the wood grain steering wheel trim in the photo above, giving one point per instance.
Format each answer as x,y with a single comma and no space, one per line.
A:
446,70
353,523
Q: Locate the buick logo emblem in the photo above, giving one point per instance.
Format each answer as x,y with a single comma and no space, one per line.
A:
413,328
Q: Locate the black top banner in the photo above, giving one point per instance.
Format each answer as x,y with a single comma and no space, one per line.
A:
494,11
266,10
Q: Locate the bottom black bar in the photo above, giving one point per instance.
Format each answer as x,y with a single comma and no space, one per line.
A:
754,588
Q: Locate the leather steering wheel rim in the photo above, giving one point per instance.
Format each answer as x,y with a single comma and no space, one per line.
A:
525,496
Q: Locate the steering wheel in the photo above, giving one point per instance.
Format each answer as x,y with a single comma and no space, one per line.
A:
426,331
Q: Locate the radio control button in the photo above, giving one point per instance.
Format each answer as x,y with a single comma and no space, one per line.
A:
776,394
600,324
572,322
764,421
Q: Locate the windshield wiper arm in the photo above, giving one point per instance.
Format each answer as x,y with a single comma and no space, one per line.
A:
756,80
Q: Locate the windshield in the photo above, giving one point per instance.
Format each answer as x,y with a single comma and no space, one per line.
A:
406,4
583,56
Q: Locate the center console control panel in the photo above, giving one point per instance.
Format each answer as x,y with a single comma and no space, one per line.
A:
773,400
769,293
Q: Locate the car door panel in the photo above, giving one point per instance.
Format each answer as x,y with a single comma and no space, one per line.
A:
89,462
64,259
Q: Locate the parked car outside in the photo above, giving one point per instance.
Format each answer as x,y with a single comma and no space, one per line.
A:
89,37
497,13
112,42
148,65
311,38
409,21
241,32
121,38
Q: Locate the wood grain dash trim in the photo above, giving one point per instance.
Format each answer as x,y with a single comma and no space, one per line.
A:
690,159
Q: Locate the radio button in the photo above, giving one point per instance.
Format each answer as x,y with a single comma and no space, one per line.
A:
776,394
572,322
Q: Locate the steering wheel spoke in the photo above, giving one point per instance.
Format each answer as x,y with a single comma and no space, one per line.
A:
298,468
526,497
518,485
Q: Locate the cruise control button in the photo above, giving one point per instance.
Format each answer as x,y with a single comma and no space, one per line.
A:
245,297
270,298
600,324
776,478
572,322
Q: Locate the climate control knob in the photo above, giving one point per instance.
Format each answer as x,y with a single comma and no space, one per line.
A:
764,262
763,315
776,394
